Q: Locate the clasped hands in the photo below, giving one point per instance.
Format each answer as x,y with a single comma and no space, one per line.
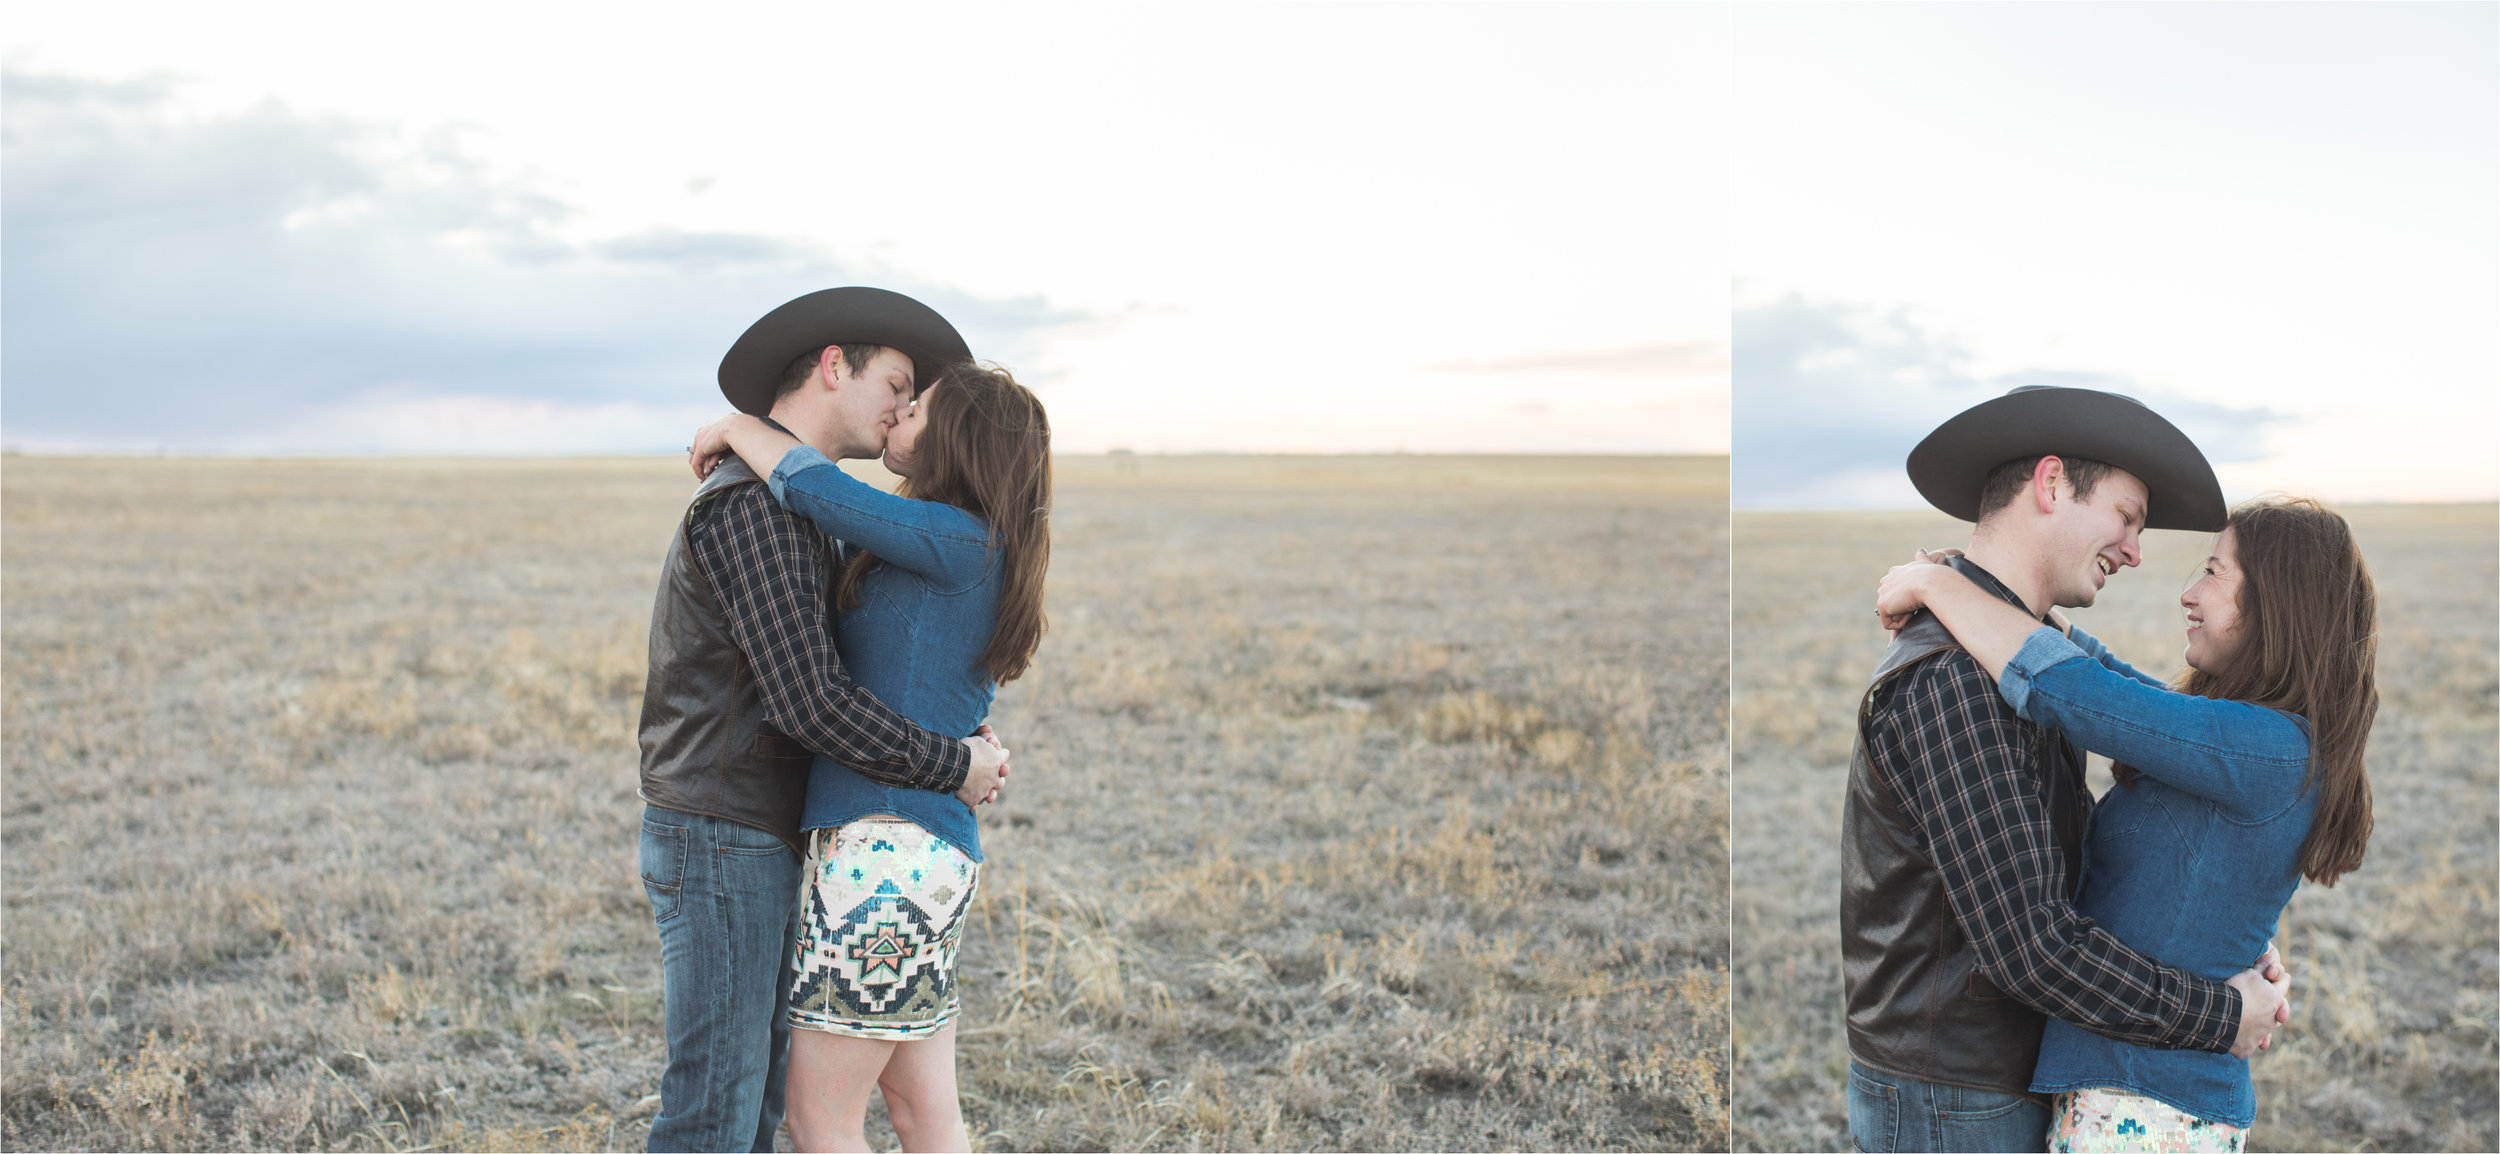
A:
986,781
2265,1002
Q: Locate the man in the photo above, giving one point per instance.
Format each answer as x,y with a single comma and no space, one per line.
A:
1962,834
745,686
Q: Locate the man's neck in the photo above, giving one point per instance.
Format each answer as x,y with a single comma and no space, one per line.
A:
814,429
2018,568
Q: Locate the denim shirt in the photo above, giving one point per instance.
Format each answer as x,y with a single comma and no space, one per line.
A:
2193,866
926,615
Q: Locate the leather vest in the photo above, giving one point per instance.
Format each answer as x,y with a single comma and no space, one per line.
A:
1918,1003
706,747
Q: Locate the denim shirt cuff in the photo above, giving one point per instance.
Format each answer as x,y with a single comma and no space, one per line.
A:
798,459
2044,648
2090,645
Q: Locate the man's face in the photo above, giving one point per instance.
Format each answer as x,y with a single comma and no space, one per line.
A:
865,402
2090,540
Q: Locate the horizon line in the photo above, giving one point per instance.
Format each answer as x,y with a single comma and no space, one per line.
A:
247,455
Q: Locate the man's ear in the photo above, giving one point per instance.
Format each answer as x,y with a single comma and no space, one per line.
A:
831,363
2044,478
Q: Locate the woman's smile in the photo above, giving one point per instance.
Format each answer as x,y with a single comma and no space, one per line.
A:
2212,604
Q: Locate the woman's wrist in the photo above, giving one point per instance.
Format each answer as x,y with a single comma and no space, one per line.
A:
759,443
1934,579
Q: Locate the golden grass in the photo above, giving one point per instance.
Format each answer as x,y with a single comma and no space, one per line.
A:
2395,994
1360,803
1687,476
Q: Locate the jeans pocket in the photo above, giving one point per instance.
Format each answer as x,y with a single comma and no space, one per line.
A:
734,838
1986,1112
2114,819
1874,1113
1986,1120
663,867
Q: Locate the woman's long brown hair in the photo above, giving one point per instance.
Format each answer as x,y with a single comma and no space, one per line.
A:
986,451
2308,620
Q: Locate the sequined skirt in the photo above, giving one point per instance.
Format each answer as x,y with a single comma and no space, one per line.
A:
2103,1119
882,921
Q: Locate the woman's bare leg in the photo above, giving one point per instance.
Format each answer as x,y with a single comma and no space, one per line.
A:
919,1085
830,1076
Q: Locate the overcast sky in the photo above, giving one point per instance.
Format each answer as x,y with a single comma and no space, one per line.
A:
2272,222
535,228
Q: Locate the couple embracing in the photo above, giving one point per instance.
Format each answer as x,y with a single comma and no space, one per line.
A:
2027,965
823,655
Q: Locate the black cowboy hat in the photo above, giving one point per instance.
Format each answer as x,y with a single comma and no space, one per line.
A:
751,374
2035,420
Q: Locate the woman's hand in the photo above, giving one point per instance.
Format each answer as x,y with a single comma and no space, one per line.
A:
711,444
1903,591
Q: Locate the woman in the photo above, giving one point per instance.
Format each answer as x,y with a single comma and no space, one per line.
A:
940,601
2238,782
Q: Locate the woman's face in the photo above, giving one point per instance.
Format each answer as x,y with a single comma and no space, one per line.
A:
904,438
2214,633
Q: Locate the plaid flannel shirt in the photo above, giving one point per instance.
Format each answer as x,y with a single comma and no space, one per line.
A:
1965,768
768,566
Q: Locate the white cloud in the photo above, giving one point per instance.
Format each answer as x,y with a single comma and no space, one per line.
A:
1189,218
1832,397
433,424
195,280
2284,207
394,422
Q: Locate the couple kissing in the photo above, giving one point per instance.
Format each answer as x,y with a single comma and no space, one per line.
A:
814,737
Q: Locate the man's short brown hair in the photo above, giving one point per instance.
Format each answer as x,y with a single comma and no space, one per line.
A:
2006,481
854,357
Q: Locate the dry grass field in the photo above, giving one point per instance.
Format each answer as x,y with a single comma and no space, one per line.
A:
1360,803
2395,994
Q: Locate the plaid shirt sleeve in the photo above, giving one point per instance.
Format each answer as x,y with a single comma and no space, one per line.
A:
1963,766
768,568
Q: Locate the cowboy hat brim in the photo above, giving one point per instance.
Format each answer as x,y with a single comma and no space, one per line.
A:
750,375
1949,466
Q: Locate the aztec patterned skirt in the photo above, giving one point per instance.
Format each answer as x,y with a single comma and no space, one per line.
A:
2103,1119
883,906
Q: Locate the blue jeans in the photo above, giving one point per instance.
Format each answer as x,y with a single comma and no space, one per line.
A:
725,898
1890,1112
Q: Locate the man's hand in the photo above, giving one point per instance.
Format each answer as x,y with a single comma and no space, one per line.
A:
2265,1002
998,792
989,762
2271,965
